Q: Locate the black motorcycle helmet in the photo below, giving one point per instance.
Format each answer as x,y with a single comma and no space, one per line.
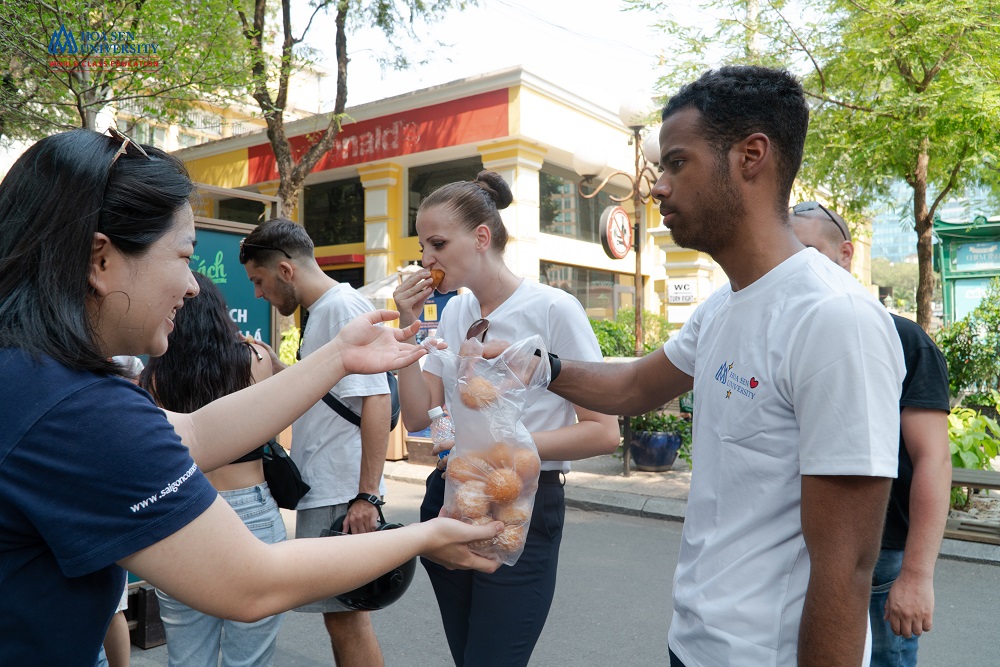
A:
383,591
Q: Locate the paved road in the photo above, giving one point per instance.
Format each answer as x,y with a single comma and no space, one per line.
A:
612,604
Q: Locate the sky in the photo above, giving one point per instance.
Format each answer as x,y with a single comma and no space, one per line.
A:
589,47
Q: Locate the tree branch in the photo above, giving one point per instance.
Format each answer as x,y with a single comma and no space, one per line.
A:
802,45
952,180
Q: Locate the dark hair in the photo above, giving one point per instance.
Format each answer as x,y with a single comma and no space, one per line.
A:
57,195
206,359
270,240
738,101
475,203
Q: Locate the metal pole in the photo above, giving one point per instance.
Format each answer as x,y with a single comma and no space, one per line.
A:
637,243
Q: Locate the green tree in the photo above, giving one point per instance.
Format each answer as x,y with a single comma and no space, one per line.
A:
180,52
271,74
901,91
902,277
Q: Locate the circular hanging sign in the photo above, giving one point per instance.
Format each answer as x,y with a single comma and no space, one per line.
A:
616,232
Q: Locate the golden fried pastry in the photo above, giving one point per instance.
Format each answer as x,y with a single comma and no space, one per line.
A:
501,455
471,500
504,485
526,463
462,469
477,393
510,539
514,513
437,275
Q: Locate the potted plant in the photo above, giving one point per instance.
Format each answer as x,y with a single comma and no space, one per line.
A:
657,440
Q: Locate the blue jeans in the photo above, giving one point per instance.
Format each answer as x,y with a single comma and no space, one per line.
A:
888,649
195,639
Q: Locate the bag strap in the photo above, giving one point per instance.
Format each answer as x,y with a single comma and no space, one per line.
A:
355,419
341,409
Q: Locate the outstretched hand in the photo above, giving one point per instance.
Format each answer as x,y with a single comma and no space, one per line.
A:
366,347
452,538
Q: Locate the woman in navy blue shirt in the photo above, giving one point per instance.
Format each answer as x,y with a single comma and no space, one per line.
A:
96,234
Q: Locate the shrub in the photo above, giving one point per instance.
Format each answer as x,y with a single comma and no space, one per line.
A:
971,346
974,440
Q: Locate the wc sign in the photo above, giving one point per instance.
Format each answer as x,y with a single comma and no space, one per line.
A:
681,290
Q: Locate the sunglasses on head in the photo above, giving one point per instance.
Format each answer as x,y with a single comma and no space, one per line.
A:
259,246
126,142
807,206
478,330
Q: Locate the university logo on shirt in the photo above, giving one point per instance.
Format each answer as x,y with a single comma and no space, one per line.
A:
736,383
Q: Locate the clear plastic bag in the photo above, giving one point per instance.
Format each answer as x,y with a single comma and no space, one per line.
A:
492,472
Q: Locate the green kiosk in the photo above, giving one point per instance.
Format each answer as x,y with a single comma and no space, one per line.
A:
968,258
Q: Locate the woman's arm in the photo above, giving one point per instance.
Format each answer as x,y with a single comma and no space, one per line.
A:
217,566
231,426
593,434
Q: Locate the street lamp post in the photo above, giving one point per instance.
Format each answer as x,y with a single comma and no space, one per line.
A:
647,153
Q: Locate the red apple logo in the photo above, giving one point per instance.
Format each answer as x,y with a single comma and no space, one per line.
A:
753,383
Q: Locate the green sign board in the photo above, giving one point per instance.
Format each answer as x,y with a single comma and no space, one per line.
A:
217,256
977,256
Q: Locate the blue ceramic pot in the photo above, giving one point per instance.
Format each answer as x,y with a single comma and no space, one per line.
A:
654,451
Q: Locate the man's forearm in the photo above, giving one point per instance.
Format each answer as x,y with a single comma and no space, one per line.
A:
834,619
627,388
375,413
930,491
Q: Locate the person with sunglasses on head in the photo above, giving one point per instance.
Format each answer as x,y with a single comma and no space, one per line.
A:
340,460
207,358
902,593
496,619
95,245
796,371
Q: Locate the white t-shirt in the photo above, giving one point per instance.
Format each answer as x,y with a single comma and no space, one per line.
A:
797,374
532,309
325,446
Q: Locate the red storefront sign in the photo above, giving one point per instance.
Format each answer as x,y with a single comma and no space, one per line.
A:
470,119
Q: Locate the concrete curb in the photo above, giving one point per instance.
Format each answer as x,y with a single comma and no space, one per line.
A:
672,509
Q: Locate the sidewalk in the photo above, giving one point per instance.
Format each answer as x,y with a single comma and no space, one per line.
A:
597,484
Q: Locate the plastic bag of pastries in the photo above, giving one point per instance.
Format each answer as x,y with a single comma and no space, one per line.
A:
493,468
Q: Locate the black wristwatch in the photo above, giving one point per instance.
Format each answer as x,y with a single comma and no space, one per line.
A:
368,498
554,367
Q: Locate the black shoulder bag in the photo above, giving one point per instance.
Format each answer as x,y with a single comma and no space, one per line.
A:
355,419
282,476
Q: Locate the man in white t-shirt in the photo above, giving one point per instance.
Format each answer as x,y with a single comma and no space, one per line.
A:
341,462
796,372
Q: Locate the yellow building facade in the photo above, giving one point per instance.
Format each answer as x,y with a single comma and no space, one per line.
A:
360,201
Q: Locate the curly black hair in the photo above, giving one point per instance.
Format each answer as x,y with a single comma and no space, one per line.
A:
738,101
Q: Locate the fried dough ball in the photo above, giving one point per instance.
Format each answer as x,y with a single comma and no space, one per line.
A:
501,456
526,463
504,485
437,275
477,393
471,500
510,539
462,469
481,545
514,513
